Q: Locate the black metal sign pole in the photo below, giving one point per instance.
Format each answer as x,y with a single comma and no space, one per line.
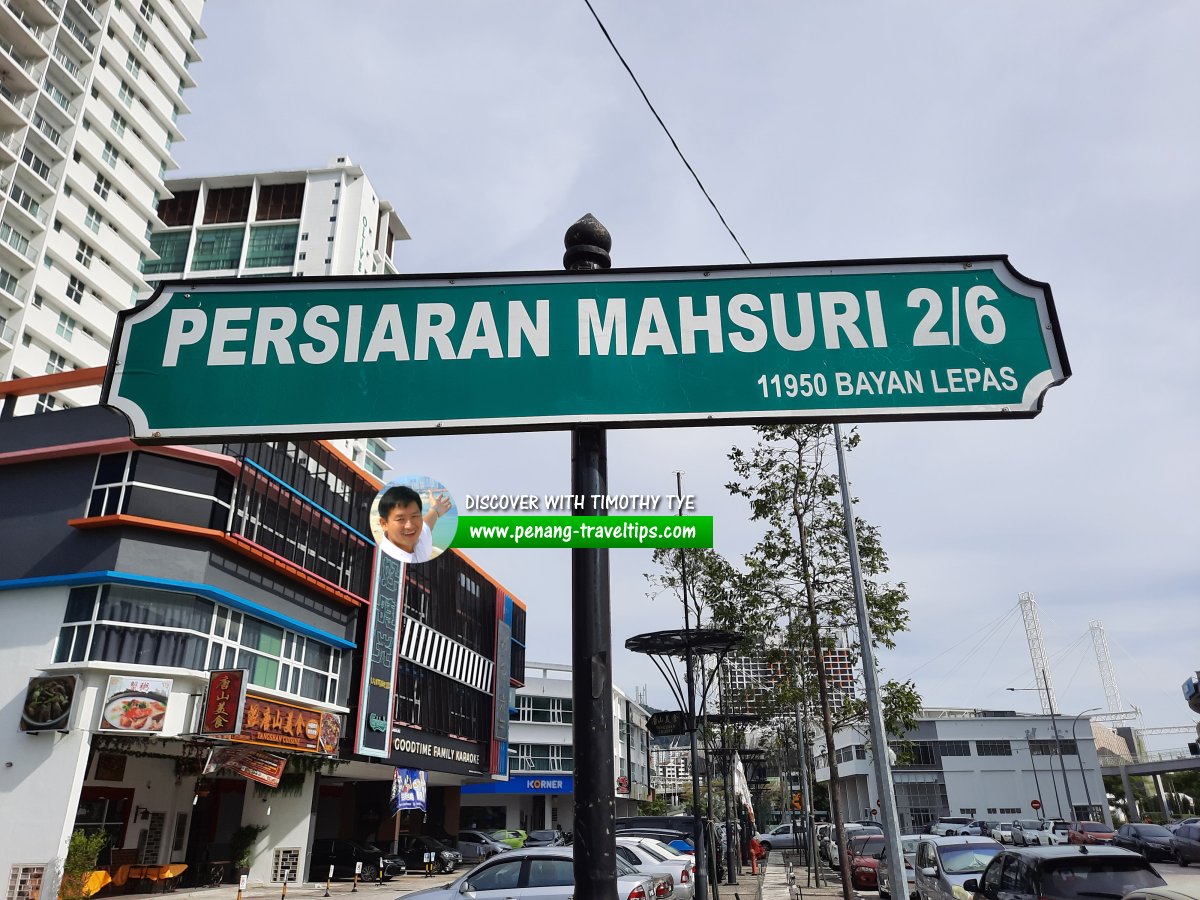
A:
595,862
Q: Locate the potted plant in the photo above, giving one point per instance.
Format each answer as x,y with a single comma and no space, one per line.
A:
82,853
240,843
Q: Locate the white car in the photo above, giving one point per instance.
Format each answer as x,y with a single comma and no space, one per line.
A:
544,873
1003,832
948,825
656,858
1039,832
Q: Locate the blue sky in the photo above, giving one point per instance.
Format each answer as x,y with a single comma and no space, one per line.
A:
1064,135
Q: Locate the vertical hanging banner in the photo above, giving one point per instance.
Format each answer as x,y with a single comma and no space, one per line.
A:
224,702
409,789
373,736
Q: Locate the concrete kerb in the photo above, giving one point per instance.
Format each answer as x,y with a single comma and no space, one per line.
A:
341,890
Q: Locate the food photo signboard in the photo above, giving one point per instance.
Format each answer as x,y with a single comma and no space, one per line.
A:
133,704
48,702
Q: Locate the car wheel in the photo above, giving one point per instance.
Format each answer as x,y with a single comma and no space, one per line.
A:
370,872
766,845
1179,859
447,868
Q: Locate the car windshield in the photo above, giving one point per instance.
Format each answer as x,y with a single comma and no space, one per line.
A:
955,820
910,846
661,847
1152,831
962,859
1095,827
871,846
1099,877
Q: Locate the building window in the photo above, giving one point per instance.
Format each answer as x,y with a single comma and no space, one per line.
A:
954,748
171,247
917,753
179,210
143,626
993,748
147,11
75,289
139,36
1052,748
118,123
218,248
132,66
45,403
56,363
227,205
110,155
102,186
83,254
279,201
66,326
544,709
92,220
543,758
125,95
271,245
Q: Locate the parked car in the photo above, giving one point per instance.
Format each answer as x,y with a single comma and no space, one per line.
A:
1002,832
344,857
546,873
944,863
477,845
909,843
852,831
830,839
514,837
947,825
1089,833
413,848
782,837
1064,872
1039,832
864,851
1152,841
545,837
1194,820
655,858
1186,844
1159,893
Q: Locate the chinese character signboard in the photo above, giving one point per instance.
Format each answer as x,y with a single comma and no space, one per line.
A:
135,704
408,789
374,732
48,701
224,702
288,726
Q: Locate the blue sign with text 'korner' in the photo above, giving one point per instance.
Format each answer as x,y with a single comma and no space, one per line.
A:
525,784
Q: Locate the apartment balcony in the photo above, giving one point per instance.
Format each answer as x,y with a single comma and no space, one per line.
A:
81,38
31,38
48,133
21,74
10,148
16,253
70,68
89,10
26,204
14,106
8,336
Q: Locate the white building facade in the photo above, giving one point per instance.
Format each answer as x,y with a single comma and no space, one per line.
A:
90,95
989,765
540,790
287,224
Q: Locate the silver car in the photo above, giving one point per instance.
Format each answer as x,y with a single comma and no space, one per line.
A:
944,863
477,845
909,843
533,873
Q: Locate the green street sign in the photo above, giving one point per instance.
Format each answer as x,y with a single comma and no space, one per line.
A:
852,341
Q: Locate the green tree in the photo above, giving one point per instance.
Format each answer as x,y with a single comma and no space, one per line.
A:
796,592
82,852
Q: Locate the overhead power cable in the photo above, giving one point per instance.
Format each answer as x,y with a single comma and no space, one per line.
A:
666,130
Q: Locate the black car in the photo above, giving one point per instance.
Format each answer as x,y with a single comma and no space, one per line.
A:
1187,844
1152,841
345,855
546,837
413,847
1063,872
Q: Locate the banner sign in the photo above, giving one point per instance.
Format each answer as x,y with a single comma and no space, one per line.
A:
413,748
667,723
257,765
224,702
409,789
48,703
525,784
378,690
289,726
950,337
135,705
503,676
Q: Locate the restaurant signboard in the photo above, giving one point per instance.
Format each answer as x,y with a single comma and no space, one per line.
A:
224,703
289,726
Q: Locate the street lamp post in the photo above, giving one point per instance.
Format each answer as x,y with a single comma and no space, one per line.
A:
1045,684
1079,756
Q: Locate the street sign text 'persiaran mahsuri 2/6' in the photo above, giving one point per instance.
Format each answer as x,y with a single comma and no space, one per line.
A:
942,338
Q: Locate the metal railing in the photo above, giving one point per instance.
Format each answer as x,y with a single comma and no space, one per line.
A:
78,33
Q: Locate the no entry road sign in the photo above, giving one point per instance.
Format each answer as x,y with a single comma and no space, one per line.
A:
851,341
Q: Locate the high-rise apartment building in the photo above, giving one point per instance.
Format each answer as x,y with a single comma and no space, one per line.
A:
90,95
327,221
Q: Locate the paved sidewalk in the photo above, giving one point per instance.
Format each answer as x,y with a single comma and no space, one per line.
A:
772,883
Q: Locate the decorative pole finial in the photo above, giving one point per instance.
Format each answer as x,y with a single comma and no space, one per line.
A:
587,243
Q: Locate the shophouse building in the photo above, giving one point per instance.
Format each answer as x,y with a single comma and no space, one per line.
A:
540,790
131,573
